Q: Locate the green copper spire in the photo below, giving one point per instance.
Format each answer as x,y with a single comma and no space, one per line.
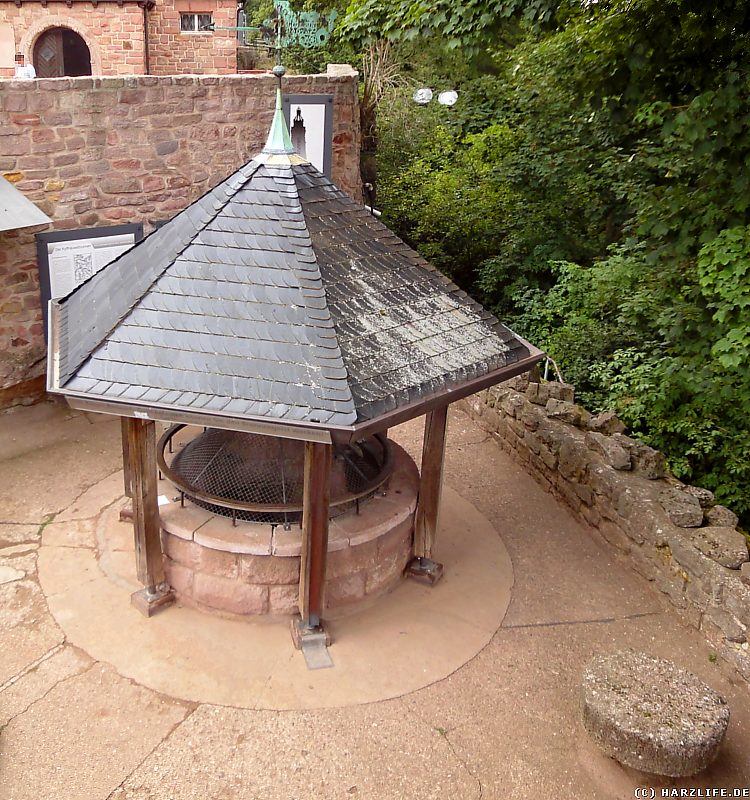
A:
279,140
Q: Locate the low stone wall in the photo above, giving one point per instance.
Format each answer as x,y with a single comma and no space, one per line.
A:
676,536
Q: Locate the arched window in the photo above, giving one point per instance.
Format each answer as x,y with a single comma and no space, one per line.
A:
61,51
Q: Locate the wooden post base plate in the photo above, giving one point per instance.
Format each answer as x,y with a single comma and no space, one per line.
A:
424,568
313,642
148,603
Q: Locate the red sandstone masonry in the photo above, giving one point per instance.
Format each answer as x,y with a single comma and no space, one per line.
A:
115,37
228,595
100,151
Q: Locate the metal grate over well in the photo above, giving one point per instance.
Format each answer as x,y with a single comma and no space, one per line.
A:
258,478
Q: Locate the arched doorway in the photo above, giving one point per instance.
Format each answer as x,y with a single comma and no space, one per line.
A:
61,51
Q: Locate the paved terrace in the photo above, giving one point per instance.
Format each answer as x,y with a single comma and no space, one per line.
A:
504,725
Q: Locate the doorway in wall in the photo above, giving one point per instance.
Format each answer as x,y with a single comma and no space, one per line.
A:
59,52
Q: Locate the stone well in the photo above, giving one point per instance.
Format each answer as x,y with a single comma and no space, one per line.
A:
252,568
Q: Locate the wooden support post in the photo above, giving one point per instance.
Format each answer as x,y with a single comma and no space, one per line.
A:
126,456
316,503
126,512
146,522
430,488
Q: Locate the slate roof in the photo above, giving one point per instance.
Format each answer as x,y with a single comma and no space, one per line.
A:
274,296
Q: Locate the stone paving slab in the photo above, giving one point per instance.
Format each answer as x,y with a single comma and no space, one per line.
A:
50,456
27,631
11,534
83,737
365,752
58,664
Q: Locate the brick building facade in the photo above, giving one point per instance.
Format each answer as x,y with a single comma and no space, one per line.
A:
118,37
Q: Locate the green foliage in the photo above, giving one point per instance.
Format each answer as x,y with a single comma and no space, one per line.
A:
449,201
466,24
592,187
724,278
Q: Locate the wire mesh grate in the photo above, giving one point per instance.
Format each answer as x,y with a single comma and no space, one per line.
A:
261,478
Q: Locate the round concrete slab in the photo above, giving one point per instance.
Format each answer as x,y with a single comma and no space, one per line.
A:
409,639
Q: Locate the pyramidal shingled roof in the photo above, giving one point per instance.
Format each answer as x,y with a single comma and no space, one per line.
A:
276,297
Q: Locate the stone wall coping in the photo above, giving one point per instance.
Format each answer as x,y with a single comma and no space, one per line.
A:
184,79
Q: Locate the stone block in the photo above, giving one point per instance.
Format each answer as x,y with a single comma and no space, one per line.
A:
283,599
646,461
673,584
516,427
228,595
726,546
566,490
218,562
513,405
184,552
684,509
565,411
605,481
537,393
352,559
551,437
735,598
584,493
560,391
591,515
345,591
703,496
532,442
387,572
709,575
745,573
398,540
730,627
651,715
178,577
573,459
721,517
696,596
612,453
615,536
218,533
607,422
549,458
269,569
532,417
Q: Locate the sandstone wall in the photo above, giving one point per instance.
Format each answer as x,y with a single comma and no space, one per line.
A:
102,151
114,35
174,52
674,535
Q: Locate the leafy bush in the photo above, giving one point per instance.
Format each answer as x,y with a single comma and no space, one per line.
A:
593,189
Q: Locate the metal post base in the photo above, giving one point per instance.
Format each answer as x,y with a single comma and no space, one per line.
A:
425,569
149,602
126,512
313,642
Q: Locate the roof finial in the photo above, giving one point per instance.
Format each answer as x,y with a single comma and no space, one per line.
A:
279,140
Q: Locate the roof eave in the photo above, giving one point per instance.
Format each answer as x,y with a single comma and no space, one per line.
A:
449,395
312,432
132,408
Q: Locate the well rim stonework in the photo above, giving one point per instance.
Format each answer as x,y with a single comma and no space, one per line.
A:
252,569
